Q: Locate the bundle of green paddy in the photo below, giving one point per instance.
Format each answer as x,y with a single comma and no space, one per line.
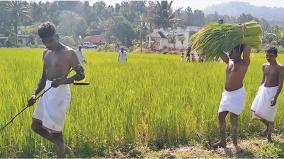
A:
214,39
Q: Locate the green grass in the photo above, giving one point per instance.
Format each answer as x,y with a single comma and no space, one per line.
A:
153,100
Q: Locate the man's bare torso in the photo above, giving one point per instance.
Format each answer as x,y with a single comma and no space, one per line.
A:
57,63
271,74
235,74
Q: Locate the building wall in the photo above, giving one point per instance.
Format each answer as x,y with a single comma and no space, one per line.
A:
187,33
178,45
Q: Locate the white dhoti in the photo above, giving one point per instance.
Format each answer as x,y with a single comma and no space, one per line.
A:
52,107
233,101
122,57
261,106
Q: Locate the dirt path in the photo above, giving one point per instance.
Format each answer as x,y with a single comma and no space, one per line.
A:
255,147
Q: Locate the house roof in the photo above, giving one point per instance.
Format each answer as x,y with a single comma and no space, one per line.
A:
157,34
95,39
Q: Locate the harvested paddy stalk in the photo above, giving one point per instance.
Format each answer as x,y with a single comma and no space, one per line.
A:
214,39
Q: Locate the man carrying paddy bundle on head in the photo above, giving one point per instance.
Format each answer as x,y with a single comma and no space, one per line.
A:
49,116
264,105
233,97
214,40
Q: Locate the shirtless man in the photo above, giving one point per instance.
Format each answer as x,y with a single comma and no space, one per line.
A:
264,105
188,54
58,59
233,97
181,55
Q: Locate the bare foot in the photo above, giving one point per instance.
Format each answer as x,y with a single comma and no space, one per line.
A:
68,150
264,133
237,148
269,139
221,144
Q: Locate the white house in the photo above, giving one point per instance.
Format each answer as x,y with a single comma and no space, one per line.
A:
163,37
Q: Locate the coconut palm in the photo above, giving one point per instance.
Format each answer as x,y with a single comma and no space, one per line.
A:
18,11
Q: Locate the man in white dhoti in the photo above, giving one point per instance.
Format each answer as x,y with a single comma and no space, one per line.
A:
264,105
181,55
58,59
233,97
122,55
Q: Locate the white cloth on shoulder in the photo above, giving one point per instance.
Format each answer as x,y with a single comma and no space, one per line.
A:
233,101
261,106
52,107
80,56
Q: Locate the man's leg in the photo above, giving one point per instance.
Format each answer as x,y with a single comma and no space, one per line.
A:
234,124
222,130
266,123
269,131
56,138
37,128
59,143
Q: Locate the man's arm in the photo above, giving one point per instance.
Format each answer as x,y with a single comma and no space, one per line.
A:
263,74
246,55
224,57
42,82
280,85
76,66
40,86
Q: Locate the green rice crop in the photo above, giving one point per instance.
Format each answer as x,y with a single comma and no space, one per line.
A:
152,100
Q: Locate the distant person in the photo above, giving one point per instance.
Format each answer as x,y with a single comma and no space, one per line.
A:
194,56
188,54
80,56
221,21
264,105
181,55
122,55
202,58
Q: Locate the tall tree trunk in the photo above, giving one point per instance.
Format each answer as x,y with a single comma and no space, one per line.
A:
16,29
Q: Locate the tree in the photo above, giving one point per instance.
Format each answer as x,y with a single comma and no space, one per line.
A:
198,18
245,18
4,22
172,39
181,38
281,42
212,17
195,18
18,11
123,32
163,15
71,24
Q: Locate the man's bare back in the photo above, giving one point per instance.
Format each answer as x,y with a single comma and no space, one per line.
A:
271,74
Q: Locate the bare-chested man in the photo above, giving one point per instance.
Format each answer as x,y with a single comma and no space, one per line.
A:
58,59
264,105
233,97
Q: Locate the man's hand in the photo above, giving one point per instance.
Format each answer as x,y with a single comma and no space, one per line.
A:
273,101
55,83
32,100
